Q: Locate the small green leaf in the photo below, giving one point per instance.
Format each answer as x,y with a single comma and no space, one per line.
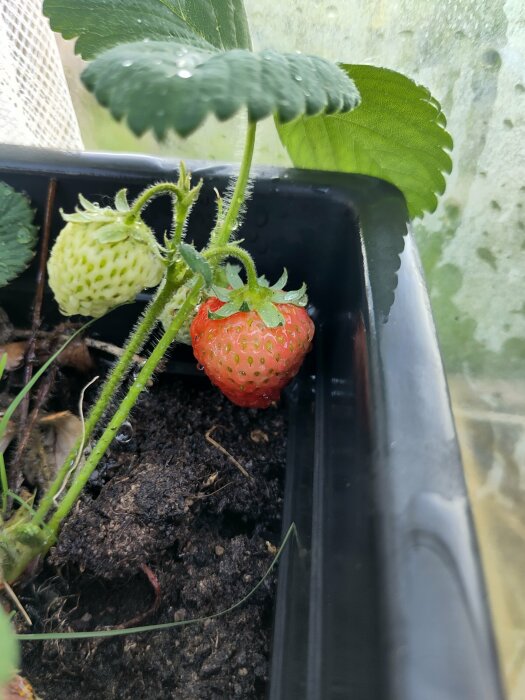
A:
292,297
121,201
112,233
162,85
103,24
281,282
88,206
220,277
270,314
9,651
221,293
196,262
232,307
232,275
3,364
397,134
17,233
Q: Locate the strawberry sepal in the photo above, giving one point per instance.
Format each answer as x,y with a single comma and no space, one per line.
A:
261,298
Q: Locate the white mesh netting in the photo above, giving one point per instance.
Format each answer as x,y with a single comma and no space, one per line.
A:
35,105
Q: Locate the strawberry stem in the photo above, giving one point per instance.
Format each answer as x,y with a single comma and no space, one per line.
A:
123,411
113,381
185,197
234,251
221,236
149,194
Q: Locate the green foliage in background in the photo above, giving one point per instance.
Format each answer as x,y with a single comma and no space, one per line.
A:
397,133
102,24
168,64
17,233
168,85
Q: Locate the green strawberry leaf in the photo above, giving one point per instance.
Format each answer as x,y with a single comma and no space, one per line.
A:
293,297
196,262
103,24
88,206
121,201
18,234
397,134
161,85
112,233
281,282
221,293
232,307
232,275
270,314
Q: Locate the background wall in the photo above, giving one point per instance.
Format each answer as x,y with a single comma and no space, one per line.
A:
471,55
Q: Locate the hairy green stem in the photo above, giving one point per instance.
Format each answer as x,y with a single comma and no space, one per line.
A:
223,233
233,251
113,381
181,214
123,411
150,193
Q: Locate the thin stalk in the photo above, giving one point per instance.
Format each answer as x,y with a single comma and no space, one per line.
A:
113,381
233,251
181,214
149,194
4,483
118,632
123,411
222,235
25,426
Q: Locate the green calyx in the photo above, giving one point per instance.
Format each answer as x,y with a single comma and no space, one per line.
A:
114,224
187,194
260,297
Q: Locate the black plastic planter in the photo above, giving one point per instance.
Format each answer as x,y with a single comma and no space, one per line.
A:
384,598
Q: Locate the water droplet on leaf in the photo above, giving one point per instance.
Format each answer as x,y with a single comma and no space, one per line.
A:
184,74
127,63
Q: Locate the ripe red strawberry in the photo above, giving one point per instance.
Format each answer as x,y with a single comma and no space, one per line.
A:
248,361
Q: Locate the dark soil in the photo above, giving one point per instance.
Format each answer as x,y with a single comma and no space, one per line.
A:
167,502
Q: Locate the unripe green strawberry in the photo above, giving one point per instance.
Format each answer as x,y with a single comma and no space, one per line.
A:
171,309
101,260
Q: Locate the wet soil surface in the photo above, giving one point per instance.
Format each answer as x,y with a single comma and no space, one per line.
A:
167,507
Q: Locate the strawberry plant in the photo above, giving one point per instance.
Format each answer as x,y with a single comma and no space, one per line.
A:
17,233
165,66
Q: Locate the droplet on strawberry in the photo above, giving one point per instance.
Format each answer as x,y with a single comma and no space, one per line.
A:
101,260
248,361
